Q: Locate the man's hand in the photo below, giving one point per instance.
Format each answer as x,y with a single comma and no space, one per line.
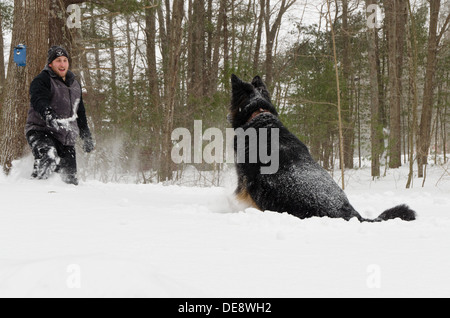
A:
89,144
51,120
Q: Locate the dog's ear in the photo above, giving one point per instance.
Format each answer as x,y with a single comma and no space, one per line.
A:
235,79
258,82
240,86
242,92
261,87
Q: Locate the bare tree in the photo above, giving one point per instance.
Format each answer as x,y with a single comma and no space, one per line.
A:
259,34
196,53
413,61
347,102
271,33
424,138
341,136
171,38
150,31
375,126
216,47
396,19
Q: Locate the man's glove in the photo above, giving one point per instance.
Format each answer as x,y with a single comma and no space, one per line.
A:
88,144
50,119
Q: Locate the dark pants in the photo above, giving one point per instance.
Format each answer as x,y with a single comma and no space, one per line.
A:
50,156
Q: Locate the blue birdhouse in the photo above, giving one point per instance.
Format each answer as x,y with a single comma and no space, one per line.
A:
20,55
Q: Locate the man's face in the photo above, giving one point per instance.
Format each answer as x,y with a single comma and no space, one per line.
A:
60,66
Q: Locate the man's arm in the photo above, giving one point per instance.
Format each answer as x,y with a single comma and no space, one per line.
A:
82,120
85,133
40,93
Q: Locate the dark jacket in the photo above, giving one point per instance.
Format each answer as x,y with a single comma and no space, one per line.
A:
48,90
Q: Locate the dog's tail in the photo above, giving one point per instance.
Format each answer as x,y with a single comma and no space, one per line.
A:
402,212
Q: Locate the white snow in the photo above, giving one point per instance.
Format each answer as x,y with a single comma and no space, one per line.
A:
128,240
65,122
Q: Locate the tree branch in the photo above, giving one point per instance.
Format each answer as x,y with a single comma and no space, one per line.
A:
445,28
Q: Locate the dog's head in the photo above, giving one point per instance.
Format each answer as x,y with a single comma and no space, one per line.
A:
248,101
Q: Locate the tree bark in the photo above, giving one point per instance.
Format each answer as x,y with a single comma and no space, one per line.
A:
98,73
413,60
341,136
150,31
395,17
60,34
153,85
130,64
196,54
2,60
34,15
271,33
424,138
259,34
174,33
376,133
216,48
226,50
347,103
112,54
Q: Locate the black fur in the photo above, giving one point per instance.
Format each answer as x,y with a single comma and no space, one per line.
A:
300,187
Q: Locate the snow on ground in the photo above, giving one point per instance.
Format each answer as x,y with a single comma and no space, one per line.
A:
128,240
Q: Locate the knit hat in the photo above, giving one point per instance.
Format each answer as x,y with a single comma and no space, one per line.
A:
55,52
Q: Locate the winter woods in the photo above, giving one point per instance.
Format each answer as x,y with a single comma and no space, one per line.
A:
149,67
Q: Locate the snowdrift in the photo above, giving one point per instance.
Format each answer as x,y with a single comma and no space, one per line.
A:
129,240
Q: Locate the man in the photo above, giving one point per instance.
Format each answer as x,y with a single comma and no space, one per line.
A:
56,118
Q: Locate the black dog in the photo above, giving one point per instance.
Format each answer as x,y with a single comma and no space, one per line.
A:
299,186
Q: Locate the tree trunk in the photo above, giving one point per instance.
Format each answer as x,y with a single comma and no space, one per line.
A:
347,103
196,55
226,50
376,133
208,50
444,128
271,33
424,138
153,87
413,60
98,73
84,63
112,54
2,61
34,15
150,32
341,137
216,48
174,33
60,34
395,17
401,20
130,64
258,35
233,34
246,46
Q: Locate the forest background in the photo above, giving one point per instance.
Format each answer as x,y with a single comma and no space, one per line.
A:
349,86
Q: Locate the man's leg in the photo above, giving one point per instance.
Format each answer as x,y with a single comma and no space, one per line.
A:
68,165
46,157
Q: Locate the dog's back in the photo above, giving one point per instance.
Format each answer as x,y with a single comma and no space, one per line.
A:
300,187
